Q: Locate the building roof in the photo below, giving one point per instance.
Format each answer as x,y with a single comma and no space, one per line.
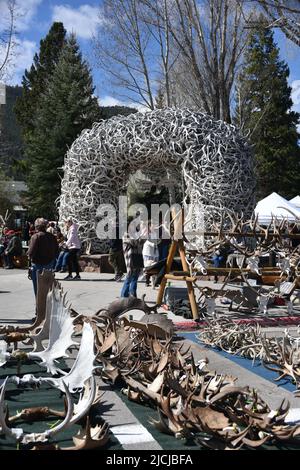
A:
15,189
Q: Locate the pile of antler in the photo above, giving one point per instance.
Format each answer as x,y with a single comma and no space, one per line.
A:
118,352
207,407
279,354
233,228
250,239
233,338
122,346
191,401
88,437
57,329
249,242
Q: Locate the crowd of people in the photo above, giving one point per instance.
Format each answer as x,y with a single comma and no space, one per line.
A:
48,248
51,248
143,247
10,246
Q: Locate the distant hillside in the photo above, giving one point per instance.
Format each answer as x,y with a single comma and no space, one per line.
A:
10,133
110,111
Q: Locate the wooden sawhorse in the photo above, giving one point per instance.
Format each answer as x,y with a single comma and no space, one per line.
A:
178,244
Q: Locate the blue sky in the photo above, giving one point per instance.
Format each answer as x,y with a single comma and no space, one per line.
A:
83,18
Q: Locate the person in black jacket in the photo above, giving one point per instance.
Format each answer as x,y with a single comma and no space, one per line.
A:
26,232
116,257
14,248
43,251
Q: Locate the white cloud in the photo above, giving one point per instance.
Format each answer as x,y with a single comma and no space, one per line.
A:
111,101
25,51
296,92
83,21
25,11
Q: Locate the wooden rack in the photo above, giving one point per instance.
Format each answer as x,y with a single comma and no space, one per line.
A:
178,245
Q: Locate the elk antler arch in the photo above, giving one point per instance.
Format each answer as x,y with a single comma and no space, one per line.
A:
213,158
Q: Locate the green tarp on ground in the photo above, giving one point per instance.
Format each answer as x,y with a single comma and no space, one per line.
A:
18,399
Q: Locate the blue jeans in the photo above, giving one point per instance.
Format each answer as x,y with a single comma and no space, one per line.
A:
130,284
62,260
217,260
164,251
39,268
8,260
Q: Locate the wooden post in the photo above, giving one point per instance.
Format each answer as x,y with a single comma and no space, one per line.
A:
171,254
45,282
178,243
189,284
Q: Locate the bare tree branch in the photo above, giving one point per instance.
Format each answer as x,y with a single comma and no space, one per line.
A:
156,19
191,50
124,50
211,38
7,34
283,14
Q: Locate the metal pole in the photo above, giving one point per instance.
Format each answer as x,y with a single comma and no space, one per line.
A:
2,102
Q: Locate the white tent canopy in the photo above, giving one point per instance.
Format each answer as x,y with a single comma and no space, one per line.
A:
296,201
276,206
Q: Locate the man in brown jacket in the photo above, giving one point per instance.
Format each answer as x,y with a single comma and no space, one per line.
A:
43,250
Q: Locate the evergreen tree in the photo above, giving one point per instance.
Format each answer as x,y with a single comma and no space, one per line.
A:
109,111
6,195
35,80
264,108
10,134
66,108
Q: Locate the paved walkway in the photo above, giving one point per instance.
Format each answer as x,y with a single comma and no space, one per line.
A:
89,295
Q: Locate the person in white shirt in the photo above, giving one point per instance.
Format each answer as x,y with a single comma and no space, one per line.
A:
150,249
73,244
